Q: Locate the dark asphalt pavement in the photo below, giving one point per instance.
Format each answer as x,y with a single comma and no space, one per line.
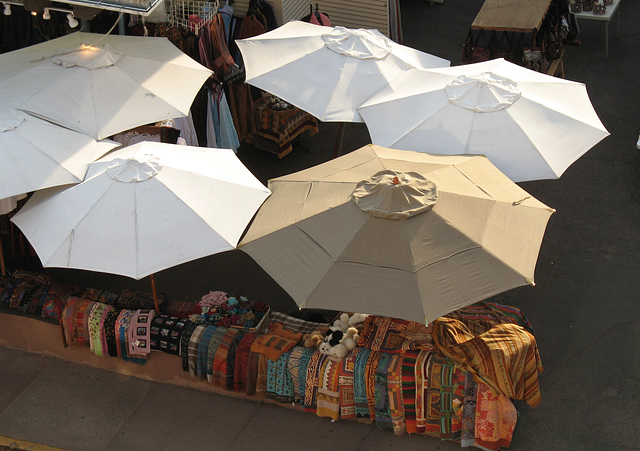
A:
585,306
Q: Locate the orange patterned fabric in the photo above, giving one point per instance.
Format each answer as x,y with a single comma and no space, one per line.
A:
495,419
505,357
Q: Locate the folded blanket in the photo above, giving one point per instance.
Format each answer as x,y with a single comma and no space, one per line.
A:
277,341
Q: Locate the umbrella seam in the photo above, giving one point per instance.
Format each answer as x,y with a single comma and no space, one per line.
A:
420,123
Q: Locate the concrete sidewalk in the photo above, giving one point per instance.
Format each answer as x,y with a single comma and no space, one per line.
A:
75,407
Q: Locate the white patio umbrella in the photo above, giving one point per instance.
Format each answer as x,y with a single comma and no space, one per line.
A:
327,71
394,233
36,154
144,208
531,126
101,85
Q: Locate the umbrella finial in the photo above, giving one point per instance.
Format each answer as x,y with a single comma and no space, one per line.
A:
379,197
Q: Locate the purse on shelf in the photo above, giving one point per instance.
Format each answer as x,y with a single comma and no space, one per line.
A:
575,6
599,10
473,53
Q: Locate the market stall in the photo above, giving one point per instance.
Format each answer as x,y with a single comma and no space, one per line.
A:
454,379
533,34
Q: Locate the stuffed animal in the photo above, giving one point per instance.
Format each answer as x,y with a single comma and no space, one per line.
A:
339,344
357,318
350,339
313,339
341,323
340,351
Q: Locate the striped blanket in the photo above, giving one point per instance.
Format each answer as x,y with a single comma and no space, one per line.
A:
505,357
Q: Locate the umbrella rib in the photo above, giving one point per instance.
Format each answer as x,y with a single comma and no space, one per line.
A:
72,232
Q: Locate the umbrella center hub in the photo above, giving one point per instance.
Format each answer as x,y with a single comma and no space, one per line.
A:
135,169
483,92
361,44
88,57
10,120
395,194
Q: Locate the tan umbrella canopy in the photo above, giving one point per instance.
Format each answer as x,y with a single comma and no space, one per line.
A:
397,233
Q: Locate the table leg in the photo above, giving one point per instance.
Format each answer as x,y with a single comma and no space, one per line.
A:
606,39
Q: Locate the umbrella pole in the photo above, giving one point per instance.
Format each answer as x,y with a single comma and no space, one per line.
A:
155,293
337,148
2,263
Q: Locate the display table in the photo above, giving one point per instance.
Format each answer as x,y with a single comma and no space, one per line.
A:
511,15
276,129
606,18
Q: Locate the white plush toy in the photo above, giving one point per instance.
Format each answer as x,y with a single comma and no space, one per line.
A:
357,318
340,351
350,339
342,323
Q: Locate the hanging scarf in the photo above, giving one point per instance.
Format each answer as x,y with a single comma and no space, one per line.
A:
345,381
409,390
241,362
328,396
394,385
382,407
219,366
359,382
204,341
185,339
231,357
139,333
194,341
279,383
305,358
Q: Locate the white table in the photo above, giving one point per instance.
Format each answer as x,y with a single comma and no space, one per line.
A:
606,17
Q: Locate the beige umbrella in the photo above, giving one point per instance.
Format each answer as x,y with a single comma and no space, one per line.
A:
397,233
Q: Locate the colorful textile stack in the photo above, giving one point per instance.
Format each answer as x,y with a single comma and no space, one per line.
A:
102,296
35,293
135,299
180,309
218,309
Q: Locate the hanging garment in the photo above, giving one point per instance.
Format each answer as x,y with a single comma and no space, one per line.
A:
219,365
242,361
382,406
394,386
495,420
228,134
345,381
279,382
231,358
328,396
139,333
303,366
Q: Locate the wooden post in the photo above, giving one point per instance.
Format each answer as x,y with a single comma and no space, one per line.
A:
155,293
3,267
